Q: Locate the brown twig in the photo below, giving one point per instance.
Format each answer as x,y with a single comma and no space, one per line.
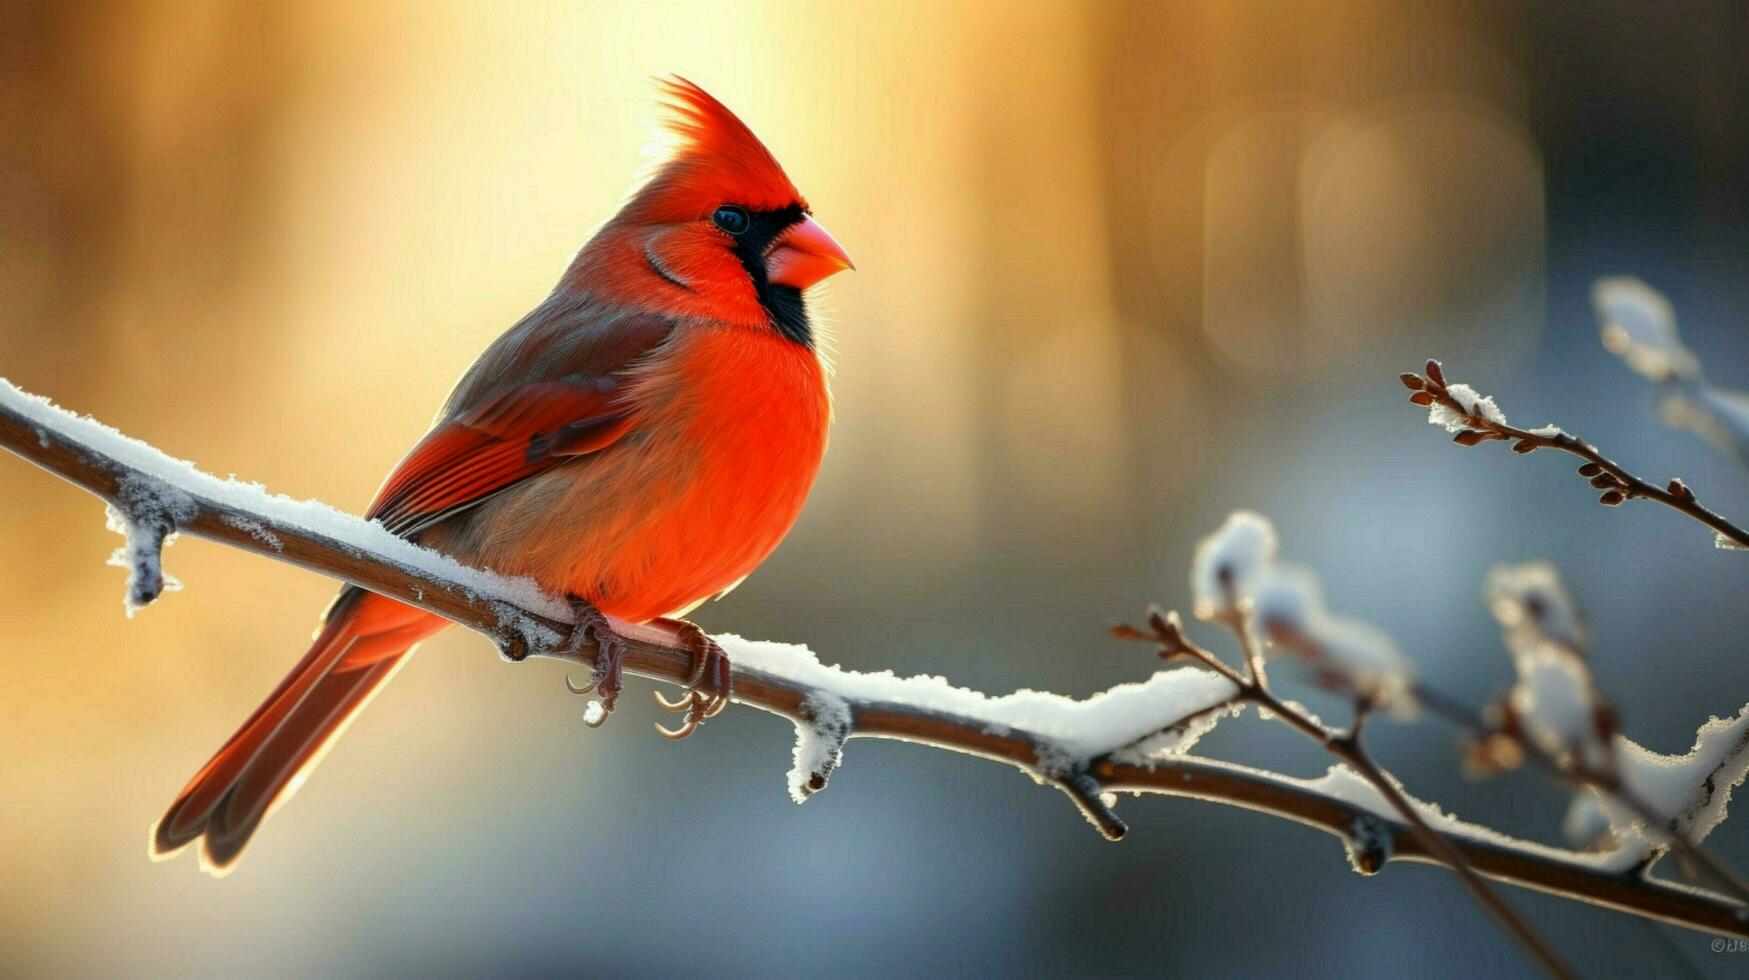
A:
655,654
1349,748
1605,474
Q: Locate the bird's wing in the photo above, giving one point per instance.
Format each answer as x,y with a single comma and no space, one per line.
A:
514,431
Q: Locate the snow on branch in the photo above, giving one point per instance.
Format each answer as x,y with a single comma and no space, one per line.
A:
1237,580
1630,803
1475,419
146,512
1639,326
1691,790
1131,738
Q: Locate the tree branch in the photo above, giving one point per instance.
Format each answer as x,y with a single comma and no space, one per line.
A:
523,622
1476,420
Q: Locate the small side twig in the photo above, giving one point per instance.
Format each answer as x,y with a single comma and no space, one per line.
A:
1347,746
1089,797
1480,422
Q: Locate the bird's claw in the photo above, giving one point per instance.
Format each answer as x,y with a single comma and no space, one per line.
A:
609,655
707,686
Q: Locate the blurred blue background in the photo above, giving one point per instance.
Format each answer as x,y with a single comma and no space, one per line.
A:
1122,268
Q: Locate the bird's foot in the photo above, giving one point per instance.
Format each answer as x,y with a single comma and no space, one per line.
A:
610,651
707,690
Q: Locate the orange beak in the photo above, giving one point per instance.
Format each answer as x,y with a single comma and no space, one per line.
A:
806,254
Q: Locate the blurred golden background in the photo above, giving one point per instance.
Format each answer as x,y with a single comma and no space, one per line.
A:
1121,268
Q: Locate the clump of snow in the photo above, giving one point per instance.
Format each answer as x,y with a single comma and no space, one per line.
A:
517,630
1472,404
1228,562
1691,790
1078,730
143,559
1533,606
1368,844
1344,654
1288,598
1554,700
1556,706
1639,326
1176,739
1235,572
1585,824
147,513
824,727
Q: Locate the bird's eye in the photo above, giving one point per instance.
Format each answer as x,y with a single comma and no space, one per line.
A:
731,219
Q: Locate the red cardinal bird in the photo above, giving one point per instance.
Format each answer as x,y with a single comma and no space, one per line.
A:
641,440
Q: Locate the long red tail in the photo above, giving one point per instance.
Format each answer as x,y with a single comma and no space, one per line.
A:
366,637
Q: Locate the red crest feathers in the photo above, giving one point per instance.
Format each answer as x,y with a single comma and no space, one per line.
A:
717,160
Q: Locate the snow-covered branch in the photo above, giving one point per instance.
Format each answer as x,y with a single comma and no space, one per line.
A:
1629,799
1131,738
